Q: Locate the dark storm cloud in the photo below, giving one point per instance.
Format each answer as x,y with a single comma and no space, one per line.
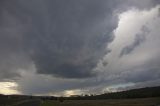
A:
70,40
12,54
66,39
139,38
63,38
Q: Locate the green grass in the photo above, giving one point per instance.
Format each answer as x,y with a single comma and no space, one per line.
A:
119,102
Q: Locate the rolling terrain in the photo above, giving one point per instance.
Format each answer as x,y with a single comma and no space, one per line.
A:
136,97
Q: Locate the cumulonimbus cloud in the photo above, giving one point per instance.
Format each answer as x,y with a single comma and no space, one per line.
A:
67,39
63,39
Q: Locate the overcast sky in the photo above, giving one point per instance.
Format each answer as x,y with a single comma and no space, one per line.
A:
66,47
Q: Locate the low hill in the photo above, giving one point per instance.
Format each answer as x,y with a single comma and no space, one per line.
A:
134,93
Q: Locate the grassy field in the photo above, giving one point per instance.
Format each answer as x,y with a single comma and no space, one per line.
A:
118,102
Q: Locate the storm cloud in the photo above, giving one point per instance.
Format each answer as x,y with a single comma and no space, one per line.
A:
50,46
62,38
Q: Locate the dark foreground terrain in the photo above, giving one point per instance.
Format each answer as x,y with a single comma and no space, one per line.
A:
111,102
35,102
30,103
136,97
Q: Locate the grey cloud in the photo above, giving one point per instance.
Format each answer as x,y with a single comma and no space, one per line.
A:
143,75
62,38
41,84
139,38
12,52
68,41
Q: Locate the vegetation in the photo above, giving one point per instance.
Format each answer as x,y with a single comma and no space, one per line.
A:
50,103
136,97
109,102
10,100
135,93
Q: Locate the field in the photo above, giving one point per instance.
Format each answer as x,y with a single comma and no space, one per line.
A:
117,102
108,102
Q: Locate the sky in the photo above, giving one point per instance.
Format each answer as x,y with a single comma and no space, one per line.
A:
74,47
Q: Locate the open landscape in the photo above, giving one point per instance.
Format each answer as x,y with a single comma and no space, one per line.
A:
135,97
109,102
